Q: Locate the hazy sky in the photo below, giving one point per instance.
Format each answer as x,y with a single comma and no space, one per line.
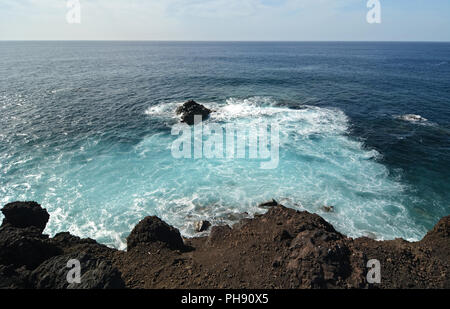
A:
411,20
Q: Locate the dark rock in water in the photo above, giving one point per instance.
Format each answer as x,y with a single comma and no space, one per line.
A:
327,208
201,226
25,247
153,229
271,203
95,273
25,214
191,108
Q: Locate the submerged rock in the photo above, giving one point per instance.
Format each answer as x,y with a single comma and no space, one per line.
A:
191,108
326,208
201,226
25,214
153,229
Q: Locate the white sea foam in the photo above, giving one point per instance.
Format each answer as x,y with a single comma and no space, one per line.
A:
320,165
412,118
165,110
103,196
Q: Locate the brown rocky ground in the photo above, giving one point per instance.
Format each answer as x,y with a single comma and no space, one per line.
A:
283,248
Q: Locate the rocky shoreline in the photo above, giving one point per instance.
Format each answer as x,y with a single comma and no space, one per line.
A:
283,248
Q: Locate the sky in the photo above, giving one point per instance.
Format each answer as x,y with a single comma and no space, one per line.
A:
226,20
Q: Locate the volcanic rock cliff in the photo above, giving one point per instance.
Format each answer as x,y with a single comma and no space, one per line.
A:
283,248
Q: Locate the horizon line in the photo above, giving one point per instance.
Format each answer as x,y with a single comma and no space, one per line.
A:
231,41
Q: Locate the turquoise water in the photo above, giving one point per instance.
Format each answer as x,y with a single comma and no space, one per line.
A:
86,131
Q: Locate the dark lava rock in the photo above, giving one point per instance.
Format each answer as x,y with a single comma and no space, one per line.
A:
438,239
284,235
319,259
95,273
11,278
152,229
65,239
25,246
440,231
218,233
201,226
72,246
268,204
282,248
29,259
191,108
25,214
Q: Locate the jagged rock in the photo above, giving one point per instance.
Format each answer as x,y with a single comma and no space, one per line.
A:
268,204
65,239
438,238
152,229
283,235
25,214
191,108
218,233
200,226
440,231
72,245
95,273
282,248
25,246
30,259
320,256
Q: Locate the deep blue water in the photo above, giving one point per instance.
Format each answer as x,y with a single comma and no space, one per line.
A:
85,131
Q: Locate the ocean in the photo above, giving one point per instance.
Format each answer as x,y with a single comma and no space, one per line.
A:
85,130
